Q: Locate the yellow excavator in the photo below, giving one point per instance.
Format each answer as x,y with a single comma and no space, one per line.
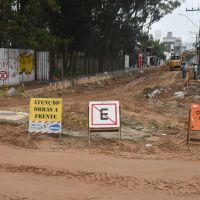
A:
175,61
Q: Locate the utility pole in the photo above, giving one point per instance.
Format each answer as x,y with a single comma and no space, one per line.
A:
4,18
198,50
198,38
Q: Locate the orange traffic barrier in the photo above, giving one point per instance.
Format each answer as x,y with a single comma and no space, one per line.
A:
194,120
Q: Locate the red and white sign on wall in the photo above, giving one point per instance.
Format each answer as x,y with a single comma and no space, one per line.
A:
104,114
3,75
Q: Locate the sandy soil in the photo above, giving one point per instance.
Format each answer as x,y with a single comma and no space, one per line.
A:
49,167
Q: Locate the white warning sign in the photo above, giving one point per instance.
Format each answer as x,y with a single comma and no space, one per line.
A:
104,114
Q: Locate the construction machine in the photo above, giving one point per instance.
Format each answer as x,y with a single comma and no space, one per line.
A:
174,62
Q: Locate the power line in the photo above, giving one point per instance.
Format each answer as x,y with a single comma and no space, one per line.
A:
193,9
198,35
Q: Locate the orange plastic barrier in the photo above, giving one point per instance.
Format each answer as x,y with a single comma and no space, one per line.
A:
194,120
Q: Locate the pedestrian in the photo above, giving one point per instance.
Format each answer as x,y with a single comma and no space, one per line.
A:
195,69
183,68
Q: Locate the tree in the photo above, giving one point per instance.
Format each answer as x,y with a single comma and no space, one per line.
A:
25,23
118,23
97,27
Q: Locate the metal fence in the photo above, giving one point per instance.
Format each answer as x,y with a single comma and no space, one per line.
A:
42,66
79,64
17,65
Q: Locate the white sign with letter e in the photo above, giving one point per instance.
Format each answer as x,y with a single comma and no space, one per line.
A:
104,114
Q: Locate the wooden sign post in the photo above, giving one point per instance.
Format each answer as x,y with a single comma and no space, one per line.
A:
193,121
104,116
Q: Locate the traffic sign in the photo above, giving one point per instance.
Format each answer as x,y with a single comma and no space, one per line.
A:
3,75
104,114
195,117
193,121
45,115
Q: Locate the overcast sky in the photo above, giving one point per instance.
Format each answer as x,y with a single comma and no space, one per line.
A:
181,26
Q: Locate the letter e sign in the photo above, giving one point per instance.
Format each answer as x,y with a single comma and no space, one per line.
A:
104,114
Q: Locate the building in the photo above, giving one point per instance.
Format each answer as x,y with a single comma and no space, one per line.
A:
189,45
172,44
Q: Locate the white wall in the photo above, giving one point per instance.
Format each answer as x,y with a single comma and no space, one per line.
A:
9,62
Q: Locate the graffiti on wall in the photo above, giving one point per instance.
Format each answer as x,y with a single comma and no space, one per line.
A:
12,63
8,64
18,65
25,63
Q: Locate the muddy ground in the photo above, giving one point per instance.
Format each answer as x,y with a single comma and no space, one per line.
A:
151,162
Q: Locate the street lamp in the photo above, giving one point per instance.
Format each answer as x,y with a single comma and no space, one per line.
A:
197,40
189,20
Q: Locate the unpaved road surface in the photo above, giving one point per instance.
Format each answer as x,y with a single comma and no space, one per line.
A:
154,163
69,175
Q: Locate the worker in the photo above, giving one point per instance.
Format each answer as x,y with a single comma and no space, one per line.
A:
195,69
183,68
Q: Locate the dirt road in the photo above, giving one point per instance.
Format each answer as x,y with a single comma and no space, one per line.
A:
51,168
67,175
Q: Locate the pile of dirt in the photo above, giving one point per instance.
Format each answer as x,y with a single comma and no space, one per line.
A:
150,117
15,136
154,129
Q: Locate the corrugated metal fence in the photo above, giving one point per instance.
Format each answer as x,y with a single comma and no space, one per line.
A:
27,65
18,65
42,66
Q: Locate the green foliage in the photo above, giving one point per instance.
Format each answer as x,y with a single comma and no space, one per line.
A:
97,27
156,47
25,24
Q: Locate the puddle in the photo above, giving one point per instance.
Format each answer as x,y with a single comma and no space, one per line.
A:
9,116
6,113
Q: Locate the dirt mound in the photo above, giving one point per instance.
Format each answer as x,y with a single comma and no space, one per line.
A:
149,163
15,136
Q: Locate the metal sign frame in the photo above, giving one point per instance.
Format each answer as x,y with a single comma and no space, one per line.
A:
103,129
188,131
